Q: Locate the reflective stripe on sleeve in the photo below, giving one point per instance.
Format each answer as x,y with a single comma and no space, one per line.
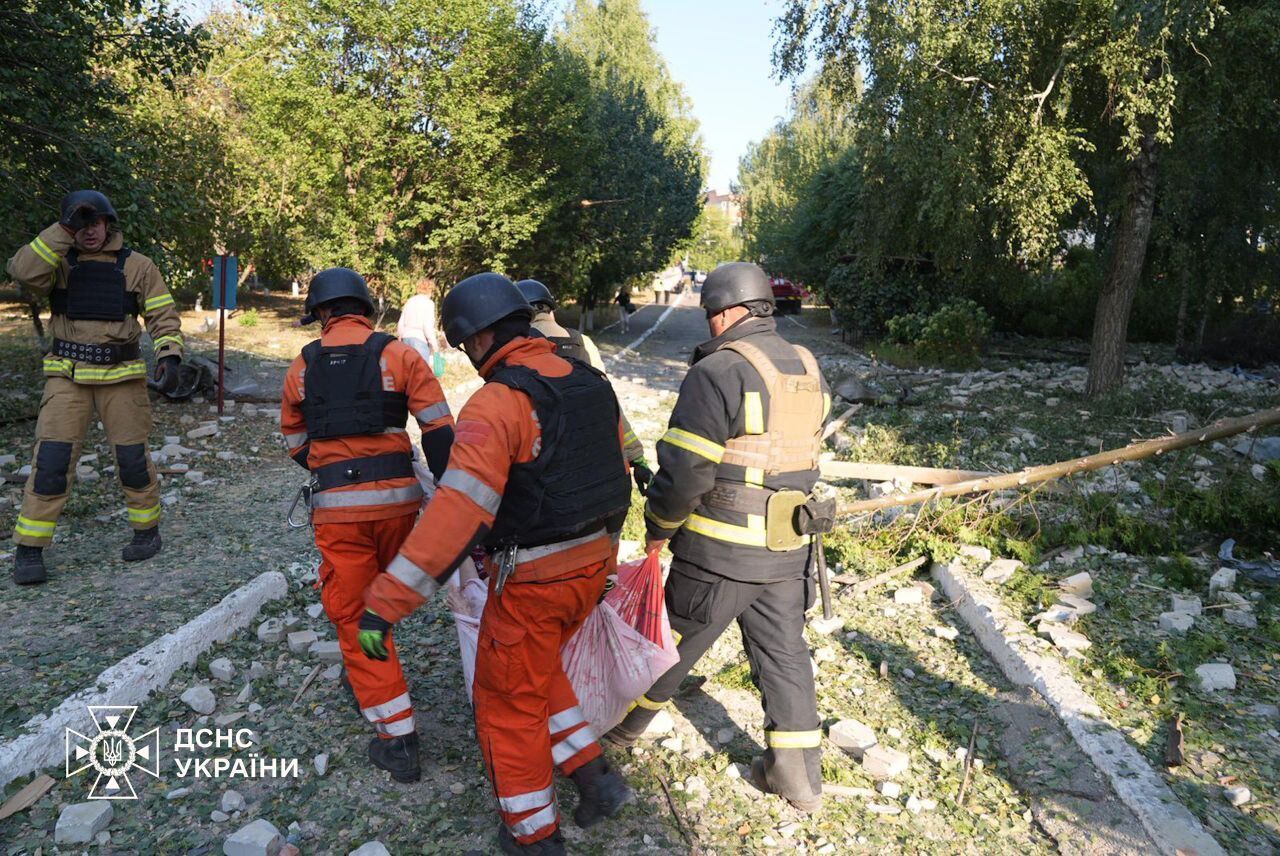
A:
664,524
413,576
526,802
158,302
573,744
354,498
474,489
535,822
753,413
691,442
793,739
44,251
174,339
399,704
435,411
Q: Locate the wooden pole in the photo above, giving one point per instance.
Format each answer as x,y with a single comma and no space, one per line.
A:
222,330
1034,475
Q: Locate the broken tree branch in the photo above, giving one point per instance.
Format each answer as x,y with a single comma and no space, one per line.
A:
833,470
836,424
1034,475
860,587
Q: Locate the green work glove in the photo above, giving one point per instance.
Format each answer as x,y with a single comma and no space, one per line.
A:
642,474
373,635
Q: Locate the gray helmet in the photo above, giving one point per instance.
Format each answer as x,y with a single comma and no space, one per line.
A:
82,207
333,283
535,292
479,302
734,284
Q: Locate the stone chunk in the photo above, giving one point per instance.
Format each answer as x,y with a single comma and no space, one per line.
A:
1176,622
326,651
1216,676
259,838
881,762
1081,584
946,632
1238,795
1001,571
321,762
1079,604
1057,614
892,790
1189,605
200,699
231,801
1061,637
202,431
271,630
661,724
302,640
825,626
79,823
973,551
222,670
1240,618
852,736
371,848
908,596
1223,579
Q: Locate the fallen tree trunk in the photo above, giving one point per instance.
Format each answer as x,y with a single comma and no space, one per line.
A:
1035,475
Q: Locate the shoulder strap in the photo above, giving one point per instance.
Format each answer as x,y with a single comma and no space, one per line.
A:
758,359
122,254
810,364
73,257
377,342
310,351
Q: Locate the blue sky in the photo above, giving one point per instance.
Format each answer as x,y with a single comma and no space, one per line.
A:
721,51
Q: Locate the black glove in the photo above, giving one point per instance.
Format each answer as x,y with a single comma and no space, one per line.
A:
167,373
642,474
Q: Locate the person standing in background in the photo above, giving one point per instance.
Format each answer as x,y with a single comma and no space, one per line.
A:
625,308
417,324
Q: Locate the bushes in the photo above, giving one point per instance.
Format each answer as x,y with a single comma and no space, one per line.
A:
952,334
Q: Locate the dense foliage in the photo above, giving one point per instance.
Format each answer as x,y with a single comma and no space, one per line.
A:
1060,162
406,138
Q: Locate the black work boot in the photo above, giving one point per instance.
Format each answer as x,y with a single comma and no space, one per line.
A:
28,566
552,845
628,731
788,780
398,756
145,544
601,793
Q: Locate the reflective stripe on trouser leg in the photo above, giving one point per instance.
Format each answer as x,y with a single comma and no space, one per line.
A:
125,410
564,720
396,728
539,824
578,740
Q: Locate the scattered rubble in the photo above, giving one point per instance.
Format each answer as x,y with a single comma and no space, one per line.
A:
222,670
80,823
1216,676
881,762
200,699
852,736
1176,622
259,838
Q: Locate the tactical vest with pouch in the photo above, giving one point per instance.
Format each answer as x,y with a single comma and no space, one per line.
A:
786,443
571,346
95,291
343,391
577,484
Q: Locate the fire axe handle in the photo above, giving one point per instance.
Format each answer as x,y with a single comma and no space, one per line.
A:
824,581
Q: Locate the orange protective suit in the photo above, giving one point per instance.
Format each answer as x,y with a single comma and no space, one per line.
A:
527,716
359,527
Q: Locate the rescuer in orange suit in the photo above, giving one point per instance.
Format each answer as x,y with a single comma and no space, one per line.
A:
346,401
537,476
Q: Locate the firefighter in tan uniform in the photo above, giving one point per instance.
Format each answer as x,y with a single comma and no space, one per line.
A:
97,288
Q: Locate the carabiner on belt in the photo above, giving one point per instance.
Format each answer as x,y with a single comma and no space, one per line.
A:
304,496
506,566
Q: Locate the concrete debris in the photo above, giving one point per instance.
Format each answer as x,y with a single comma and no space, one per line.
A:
1240,618
915,805
852,736
1057,615
315,610
371,848
978,554
1238,795
1266,711
1259,448
1223,579
326,651
881,762
79,823
662,724
1001,571
827,626
1082,606
673,744
202,431
880,808
1064,639
200,699
1176,622
177,793
301,640
256,669
909,596
218,816
1081,584
1258,471
1189,605
1074,554
892,790
292,622
946,632
332,673
1216,676
224,719
270,631
231,801
246,693
259,838
222,670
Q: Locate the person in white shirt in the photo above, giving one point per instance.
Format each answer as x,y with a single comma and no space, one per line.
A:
417,325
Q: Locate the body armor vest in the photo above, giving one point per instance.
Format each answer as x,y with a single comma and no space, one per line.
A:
578,481
791,440
342,390
571,346
95,291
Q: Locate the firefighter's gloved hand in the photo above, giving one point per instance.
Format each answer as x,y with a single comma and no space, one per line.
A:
373,635
167,373
642,474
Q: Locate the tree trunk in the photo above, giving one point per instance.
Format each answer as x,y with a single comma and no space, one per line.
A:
1124,271
1180,333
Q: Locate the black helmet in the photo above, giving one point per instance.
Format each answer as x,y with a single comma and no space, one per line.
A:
333,283
535,292
82,207
479,302
734,284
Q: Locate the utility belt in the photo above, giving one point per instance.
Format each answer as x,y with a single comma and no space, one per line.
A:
790,516
511,556
393,465
99,354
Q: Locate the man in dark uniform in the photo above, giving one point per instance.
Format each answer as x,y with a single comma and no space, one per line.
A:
739,459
